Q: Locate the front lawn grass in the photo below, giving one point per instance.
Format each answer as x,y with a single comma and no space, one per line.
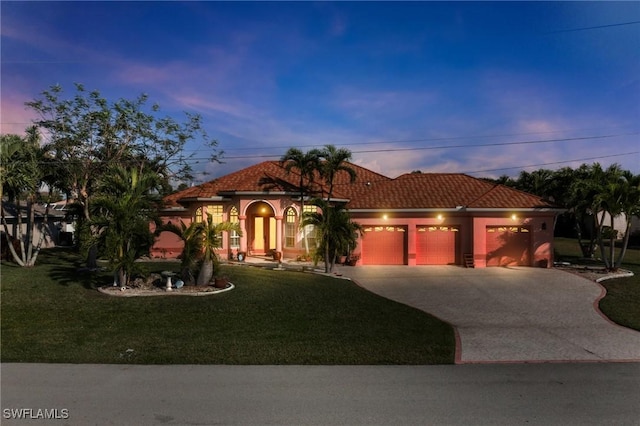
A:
53,313
622,302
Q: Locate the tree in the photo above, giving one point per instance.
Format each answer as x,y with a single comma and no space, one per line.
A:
209,240
21,174
307,164
121,215
191,236
337,232
88,133
333,161
630,208
616,195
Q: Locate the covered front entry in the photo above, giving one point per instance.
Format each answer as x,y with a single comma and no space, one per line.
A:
436,245
508,245
262,228
384,245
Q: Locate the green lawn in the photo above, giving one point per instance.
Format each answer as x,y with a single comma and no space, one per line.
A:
622,302
53,313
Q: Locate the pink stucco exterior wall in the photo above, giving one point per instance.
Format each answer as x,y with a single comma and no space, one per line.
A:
472,229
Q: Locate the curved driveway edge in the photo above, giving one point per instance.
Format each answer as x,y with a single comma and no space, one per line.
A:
509,314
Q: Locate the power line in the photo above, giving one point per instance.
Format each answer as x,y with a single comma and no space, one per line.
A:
246,148
554,163
236,157
593,28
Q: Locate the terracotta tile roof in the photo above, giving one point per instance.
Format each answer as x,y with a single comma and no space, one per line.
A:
372,190
441,190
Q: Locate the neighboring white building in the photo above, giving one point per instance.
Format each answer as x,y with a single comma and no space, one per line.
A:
620,223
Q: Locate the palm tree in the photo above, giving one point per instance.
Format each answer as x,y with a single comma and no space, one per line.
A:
617,195
337,232
191,237
209,240
307,163
586,185
21,174
334,160
121,217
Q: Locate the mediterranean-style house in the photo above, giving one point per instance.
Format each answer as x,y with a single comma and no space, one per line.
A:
414,219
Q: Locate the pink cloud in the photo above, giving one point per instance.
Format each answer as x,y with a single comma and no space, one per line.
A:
15,115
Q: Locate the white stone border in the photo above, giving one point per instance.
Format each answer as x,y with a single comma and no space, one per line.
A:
165,293
623,273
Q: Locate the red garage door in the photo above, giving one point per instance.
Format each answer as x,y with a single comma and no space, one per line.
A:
384,245
508,245
436,245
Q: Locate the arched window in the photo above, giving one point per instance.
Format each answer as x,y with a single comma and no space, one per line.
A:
290,228
234,236
199,214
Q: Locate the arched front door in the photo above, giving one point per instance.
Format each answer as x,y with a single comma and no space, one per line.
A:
262,235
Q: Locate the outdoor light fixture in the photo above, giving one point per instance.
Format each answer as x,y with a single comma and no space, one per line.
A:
514,217
439,217
385,217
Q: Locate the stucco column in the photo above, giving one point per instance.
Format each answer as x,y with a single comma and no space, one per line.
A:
279,233
243,237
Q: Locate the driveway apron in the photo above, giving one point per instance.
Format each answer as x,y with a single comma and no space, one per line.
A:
508,314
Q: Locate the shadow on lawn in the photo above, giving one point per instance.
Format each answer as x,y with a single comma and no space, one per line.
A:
67,269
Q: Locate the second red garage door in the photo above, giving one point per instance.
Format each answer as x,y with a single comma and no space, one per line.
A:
384,245
436,245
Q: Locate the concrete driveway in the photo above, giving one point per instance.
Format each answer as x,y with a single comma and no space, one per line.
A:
508,314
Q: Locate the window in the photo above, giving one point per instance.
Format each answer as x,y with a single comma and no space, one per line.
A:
234,236
290,228
310,230
216,213
214,210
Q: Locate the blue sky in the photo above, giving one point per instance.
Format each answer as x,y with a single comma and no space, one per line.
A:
439,87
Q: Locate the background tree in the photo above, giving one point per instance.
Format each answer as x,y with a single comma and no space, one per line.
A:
307,164
87,134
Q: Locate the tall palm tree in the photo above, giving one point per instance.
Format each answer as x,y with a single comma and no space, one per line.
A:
306,163
337,232
617,196
630,208
121,217
333,161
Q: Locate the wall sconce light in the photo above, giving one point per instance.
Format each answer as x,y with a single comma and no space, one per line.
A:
514,217
385,217
439,217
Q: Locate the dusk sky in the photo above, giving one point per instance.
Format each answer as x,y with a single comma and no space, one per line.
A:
439,87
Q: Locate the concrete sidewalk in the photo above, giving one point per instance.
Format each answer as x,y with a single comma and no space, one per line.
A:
509,314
